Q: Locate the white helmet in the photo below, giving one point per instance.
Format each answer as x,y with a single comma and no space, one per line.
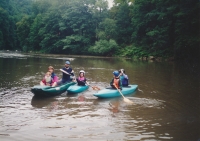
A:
82,71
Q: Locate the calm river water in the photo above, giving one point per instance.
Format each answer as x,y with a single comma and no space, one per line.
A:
166,104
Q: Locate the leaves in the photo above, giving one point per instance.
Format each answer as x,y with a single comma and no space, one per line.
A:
104,47
130,27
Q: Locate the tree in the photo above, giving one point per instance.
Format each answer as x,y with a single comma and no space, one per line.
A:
162,28
104,47
23,30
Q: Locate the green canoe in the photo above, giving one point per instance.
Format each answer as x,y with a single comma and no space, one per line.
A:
47,91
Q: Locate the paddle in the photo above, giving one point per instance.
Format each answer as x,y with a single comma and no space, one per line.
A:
65,72
93,87
125,99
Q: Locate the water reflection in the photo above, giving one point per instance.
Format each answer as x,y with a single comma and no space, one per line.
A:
166,105
42,102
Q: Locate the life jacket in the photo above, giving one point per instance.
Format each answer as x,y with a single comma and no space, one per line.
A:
116,82
81,81
48,80
81,78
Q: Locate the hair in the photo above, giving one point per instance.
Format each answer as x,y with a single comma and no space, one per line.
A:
50,67
48,72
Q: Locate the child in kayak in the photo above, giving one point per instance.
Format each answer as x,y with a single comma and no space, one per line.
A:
81,80
53,76
116,82
123,77
47,80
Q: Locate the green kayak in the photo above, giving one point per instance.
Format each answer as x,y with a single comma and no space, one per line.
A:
76,89
47,91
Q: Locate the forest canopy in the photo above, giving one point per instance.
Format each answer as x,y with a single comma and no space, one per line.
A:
131,28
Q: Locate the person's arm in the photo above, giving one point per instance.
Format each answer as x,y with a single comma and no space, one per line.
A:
86,82
43,82
77,80
120,85
55,78
72,72
111,83
125,76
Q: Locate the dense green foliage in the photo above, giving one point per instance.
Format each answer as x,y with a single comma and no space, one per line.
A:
11,11
130,28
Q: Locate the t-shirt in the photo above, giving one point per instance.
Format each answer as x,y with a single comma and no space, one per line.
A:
66,77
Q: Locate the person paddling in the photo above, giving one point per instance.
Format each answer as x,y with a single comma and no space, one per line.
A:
116,81
123,77
68,74
81,80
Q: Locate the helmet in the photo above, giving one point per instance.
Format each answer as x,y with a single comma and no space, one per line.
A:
67,62
82,71
116,73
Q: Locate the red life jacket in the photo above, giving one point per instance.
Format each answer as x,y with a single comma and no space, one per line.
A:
116,82
44,81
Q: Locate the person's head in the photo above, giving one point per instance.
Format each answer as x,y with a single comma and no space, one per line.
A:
82,73
121,71
48,74
50,69
67,63
116,73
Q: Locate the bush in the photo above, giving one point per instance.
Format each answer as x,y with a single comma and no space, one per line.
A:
104,47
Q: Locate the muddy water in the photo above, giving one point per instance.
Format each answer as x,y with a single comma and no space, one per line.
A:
166,105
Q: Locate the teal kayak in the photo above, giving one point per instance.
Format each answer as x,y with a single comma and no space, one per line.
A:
111,92
46,91
76,89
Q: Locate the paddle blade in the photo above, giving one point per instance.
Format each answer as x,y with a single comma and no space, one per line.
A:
95,88
128,101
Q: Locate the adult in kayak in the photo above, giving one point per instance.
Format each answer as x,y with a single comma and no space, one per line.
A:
116,81
68,74
123,77
53,76
81,80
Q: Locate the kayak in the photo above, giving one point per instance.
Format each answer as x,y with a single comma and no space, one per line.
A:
76,89
111,92
46,91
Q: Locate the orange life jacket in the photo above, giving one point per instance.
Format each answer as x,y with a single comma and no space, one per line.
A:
116,82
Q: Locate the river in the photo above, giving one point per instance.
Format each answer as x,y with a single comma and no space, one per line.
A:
166,104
